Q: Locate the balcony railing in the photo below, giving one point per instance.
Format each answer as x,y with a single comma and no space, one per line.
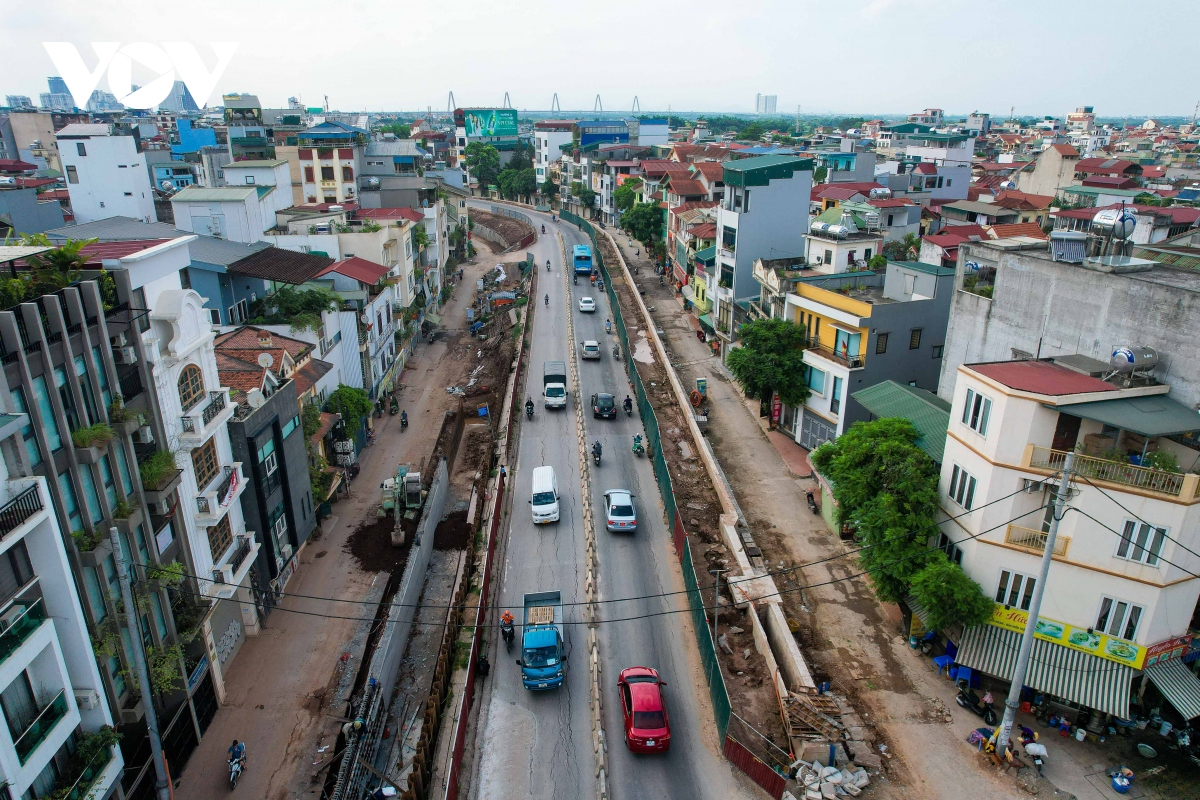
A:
40,728
239,555
21,627
833,354
1034,540
19,509
1175,484
130,383
215,406
189,423
81,789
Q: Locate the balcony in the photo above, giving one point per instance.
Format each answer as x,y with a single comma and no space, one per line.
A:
82,789
212,505
1120,474
1034,540
41,726
130,383
233,568
24,620
832,354
198,423
13,513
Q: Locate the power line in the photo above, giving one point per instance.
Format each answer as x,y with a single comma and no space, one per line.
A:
1124,508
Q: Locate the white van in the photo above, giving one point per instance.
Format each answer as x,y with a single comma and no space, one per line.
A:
545,495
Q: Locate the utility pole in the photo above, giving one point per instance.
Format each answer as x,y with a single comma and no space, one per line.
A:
1022,668
161,787
716,573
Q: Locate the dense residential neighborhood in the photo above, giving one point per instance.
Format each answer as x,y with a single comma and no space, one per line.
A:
890,486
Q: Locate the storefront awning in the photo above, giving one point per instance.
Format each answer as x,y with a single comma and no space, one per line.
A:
1178,684
1072,675
689,293
706,321
918,610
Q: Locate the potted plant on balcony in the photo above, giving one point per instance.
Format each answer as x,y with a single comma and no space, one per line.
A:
122,419
160,475
93,751
94,546
91,441
127,517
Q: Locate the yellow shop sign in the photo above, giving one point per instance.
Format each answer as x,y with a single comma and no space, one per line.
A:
1097,644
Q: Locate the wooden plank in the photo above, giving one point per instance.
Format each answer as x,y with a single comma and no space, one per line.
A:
540,615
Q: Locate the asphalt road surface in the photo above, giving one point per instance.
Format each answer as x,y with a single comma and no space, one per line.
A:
539,744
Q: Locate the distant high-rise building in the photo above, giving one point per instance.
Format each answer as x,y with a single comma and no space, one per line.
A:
765,103
18,101
179,100
57,85
56,101
103,101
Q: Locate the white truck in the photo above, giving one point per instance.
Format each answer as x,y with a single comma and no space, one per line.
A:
554,384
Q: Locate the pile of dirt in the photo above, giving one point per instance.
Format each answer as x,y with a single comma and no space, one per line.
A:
453,532
372,548
513,230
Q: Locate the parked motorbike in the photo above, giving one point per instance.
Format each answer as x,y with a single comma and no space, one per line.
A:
981,707
812,503
639,449
1037,754
394,407
236,765
508,633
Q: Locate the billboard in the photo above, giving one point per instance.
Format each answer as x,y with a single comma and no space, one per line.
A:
490,121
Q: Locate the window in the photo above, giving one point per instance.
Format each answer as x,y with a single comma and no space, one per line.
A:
27,434
160,622
728,237
937,350
123,468
347,174
279,527
914,339
219,538
72,175
204,461
191,387
962,487
308,176
847,345
64,396
102,375
70,502
828,257
15,571
815,378
1015,589
835,399
95,594
214,316
106,477
20,706
85,388
249,180
326,173
947,546
1141,542
976,412
881,343
291,425
889,222
80,149
1118,618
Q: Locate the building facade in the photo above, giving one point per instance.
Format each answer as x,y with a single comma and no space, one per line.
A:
105,173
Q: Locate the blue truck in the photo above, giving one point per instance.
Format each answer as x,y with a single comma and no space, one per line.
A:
542,652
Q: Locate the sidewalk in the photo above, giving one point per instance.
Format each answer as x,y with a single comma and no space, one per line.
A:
279,686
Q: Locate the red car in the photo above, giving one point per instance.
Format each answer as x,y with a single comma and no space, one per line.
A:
647,729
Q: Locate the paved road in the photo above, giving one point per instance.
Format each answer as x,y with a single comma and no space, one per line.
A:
539,745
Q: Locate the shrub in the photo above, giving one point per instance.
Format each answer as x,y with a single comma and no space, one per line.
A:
157,469
949,596
93,436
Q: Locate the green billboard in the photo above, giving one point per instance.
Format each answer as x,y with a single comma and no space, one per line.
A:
490,121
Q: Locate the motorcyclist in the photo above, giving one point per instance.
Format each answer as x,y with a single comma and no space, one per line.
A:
628,404
596,448
506,624
547,298
404,418
547,265
543,229
237,752
529,405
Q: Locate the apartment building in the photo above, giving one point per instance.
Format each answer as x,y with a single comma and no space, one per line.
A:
393,174
549,136
844,238
331,157
1122,586
105,173
864,328
362,283
248,140
54,700
850,163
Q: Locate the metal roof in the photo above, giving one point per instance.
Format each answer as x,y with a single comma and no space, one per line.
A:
927,412
760,170
1151,415
1178,684
205,249
205,194
255,163
17,252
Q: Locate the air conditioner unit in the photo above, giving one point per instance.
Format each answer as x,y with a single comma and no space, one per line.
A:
145,435
1031,487
125,355
86,699
10,616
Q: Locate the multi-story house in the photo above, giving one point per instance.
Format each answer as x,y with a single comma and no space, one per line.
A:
248,140
392,174
365,285
929,116
549,136
943,149
55,703
1122,584
1053,168
850,163
105,172
849,319
844,238
331,157
241,211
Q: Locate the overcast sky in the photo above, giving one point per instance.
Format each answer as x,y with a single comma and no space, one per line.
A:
852,56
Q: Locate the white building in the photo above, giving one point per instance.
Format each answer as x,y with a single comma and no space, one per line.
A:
237,213
943,149
1123,578
363,283
331,157
765,103
105,172
50,687
549,135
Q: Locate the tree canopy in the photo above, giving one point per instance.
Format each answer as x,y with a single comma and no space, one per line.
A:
586,196
906,249
625,195
820,174
353,404
886,490
401,130
770,361
549,188
644,222
483,162
300,308
751,132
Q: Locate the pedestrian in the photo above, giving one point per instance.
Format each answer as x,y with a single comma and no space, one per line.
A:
483,667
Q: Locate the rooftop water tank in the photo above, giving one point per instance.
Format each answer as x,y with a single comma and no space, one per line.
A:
880,193
1115,222
372,183
820,227
1129,359
1007,185
839,231
335,208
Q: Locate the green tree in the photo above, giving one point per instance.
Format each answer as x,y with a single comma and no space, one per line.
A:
877,262
770,361
625,195
644,222
401,130
353,404
420,239
549,188
57,268
483,162
820,174
300,308
752,132
949,595
906,249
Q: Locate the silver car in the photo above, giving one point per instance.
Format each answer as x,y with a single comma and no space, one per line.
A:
619,513
591,349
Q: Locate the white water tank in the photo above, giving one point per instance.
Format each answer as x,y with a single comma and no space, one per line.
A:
839,231
820,227
880,193
1116,222
1129,359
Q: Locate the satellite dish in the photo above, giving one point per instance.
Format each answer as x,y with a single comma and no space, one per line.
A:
363,319
266,360
255,398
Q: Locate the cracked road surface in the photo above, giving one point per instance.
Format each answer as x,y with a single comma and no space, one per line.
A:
539,744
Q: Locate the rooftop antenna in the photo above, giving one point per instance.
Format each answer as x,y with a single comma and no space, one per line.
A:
598,106
450,105
637,107
797,119
326,103
554,106
507,103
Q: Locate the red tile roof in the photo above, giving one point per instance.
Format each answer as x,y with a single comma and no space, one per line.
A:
1030,229
682,207
1110,181
705,230
1154,172
360,269
657,167
1105,166
890,202
1066,150
413,214
713,171
995,166
1041,377
253,338
1021,201
16,165
102,250
307,376
839,193
685,187
925,168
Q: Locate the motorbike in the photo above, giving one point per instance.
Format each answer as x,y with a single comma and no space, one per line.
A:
616,351
575,280
543,229
547,299
812,503
1036,753
596,456
639,449
529,410
607,326
547,265
404,420
236,765
508,634
394,407
981,707
628,408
